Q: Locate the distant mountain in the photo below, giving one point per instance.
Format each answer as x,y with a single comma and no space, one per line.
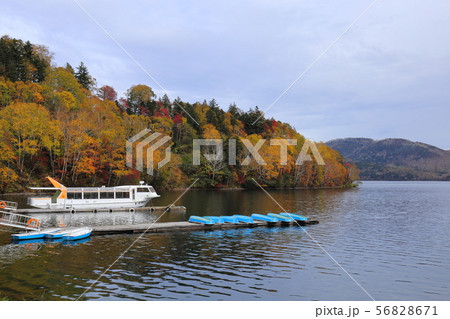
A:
394,159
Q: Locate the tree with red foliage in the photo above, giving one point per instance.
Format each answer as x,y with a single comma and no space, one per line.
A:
178,119
162,113
123,103
143,110
107,92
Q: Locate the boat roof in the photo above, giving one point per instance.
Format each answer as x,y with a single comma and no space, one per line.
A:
57,185
92,189
128,186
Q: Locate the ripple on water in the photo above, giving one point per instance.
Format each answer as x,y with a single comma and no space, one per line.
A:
391,237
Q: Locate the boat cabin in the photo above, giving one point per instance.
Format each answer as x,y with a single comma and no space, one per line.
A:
127,196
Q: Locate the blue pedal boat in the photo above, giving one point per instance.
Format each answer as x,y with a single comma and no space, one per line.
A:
201,220
281,218
295,216
230,219
215,219
59,234
38,234
264,218
244,219
78,233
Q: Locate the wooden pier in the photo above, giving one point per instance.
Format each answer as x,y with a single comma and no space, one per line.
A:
186,226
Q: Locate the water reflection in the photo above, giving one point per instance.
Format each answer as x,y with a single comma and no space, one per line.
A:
93,219
392,237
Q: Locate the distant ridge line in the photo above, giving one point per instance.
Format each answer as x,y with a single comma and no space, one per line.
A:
394,158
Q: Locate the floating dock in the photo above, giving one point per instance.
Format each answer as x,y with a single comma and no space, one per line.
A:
167,226
152,209
186,226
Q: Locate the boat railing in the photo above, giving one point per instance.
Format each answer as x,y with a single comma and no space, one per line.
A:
6,205
19,221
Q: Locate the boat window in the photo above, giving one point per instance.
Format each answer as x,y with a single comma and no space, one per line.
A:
152,189
73,195
106,194
123,195
142,190
91,195
55,196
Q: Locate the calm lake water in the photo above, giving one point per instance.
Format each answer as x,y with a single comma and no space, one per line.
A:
392,237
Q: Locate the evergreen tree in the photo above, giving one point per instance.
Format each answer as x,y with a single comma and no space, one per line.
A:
21,61
166,101
69,68
213,104
84,78
254,121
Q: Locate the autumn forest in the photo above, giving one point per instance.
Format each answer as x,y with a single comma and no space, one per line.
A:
56,121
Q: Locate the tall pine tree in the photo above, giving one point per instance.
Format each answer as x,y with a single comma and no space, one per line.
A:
84,78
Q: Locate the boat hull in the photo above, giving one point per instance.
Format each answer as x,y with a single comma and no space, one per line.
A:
27,237
57,235
34,234
230,219
78,234
92,205
295,216
201,220
215,219
244,219
281,218
264,218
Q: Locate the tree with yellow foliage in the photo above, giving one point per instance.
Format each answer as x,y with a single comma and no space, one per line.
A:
28,129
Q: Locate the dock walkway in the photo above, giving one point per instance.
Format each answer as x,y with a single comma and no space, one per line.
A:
185,226
161,227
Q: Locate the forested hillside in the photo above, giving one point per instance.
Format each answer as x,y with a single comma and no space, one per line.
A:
55,121
395,159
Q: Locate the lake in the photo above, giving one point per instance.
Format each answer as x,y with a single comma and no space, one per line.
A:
393,238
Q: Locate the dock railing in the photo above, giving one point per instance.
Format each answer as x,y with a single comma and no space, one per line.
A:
6,205
19,221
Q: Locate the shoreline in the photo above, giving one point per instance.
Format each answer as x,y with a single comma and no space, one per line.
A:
277,188
355,184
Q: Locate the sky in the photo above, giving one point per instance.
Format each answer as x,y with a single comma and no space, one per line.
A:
388,76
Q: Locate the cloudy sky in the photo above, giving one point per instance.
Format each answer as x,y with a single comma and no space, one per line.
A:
388,76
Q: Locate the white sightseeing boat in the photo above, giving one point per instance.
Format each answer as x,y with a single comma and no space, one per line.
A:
87,198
